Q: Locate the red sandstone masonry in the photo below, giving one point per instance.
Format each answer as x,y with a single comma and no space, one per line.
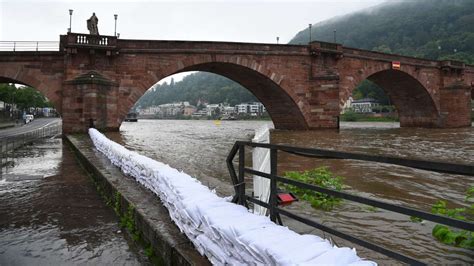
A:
302,87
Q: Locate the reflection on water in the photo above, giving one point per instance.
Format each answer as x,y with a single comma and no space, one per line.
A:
200,148
51,214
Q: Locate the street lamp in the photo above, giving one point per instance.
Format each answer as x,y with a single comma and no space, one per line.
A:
70,19
310,32
334,36
115,30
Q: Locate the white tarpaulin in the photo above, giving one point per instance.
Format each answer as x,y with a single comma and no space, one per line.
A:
261,162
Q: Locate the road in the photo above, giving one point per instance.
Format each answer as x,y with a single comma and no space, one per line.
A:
35,124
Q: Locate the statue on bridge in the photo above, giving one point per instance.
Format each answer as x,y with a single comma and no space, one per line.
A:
92,25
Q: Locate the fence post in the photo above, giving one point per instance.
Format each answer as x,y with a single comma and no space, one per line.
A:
241,184
273,184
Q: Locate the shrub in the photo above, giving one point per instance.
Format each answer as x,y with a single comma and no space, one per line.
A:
321,177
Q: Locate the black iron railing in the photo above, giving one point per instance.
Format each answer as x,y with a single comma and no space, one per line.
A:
241,198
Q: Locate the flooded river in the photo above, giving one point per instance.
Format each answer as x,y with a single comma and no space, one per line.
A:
51,213
200,148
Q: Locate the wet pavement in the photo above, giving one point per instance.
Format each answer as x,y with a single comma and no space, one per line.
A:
51,213
35,124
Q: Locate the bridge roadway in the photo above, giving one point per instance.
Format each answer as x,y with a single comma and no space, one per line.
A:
30,127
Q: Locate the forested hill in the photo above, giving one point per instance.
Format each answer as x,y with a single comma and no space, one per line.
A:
433,29
204,86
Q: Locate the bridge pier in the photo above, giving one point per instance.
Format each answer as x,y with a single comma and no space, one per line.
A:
455,106
89,100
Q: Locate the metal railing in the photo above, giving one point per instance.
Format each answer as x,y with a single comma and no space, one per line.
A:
11,143
241,198
28,46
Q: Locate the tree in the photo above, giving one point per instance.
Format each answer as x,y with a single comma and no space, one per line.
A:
7,92
24,97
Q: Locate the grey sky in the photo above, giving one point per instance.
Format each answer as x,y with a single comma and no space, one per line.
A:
218,20
242,21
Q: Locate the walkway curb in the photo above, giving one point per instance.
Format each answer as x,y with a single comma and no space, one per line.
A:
150,218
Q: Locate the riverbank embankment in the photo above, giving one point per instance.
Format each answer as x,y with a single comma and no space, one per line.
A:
141,212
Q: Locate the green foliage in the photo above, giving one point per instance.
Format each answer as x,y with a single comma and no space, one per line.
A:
455,237
440,30
368,89
7,92
352,116
423,28
321,177
416,219
24,97
349,115
117,202
149,251
194,87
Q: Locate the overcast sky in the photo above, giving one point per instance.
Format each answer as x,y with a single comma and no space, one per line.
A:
218,20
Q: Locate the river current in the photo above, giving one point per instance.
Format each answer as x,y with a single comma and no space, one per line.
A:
200,148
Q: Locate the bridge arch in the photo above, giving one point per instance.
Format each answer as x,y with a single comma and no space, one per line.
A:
267,86
415,103
49,85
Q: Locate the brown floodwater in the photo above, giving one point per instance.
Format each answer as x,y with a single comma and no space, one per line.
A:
51,213
200,148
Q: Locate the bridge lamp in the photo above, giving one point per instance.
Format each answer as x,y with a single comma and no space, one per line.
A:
310,32
70,19
115,30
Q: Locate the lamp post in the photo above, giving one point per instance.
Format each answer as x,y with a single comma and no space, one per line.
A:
70,20
115,30
310,32
278,39
334,36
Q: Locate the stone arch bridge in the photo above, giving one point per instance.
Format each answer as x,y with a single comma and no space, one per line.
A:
302,87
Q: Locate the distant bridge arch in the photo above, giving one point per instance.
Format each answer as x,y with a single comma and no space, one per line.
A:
33,72
254,76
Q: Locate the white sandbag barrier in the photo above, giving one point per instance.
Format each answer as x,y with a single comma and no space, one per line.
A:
226,233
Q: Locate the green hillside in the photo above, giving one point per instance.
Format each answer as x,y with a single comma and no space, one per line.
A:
433,29
204,86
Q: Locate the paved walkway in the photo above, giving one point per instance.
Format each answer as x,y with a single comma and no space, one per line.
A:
35,124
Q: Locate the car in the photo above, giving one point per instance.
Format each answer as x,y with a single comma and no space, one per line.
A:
29,118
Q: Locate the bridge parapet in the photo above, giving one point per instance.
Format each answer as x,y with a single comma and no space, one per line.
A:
378,56
161,46
80,40
326,47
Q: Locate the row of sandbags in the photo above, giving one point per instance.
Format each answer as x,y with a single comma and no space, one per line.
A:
224,232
